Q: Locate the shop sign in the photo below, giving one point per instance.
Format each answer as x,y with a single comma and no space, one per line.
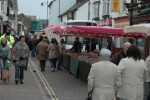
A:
115,5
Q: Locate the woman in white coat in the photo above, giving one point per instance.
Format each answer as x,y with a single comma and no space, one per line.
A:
104,78
133,74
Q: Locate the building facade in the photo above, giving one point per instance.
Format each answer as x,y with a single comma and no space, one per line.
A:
56,8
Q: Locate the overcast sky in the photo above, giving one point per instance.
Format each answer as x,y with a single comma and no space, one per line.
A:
33,7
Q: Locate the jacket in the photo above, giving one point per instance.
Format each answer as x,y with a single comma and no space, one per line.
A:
4,51
117,57
53,51
20,50
10,42
148,67
104,77
133,73
42,50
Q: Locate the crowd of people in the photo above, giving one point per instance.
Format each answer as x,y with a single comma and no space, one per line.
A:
115,77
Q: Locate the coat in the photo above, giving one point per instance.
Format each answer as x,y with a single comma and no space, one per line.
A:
117,57
133,73
104,77
148,68
42,50
20,50
53,50
4,51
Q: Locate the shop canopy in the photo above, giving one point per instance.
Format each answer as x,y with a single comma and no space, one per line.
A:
94,31
140,30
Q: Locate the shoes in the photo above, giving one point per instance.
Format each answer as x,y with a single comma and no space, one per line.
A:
16,81
53,70
21,82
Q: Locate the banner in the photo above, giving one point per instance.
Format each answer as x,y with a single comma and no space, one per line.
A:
115,5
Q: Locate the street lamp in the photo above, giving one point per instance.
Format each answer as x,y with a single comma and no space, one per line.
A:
47,9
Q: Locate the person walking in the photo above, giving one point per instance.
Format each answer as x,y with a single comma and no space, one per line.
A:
62,51
20,54
54,53
104,78
133,75
34,42
4,55
42,53
122,54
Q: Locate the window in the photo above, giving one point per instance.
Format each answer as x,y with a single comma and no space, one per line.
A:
123,6
96,9
106,6
2,6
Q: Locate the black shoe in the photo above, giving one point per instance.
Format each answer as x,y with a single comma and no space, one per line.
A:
21,82
16,81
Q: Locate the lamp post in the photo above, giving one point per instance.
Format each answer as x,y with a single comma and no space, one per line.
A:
131,13
47,9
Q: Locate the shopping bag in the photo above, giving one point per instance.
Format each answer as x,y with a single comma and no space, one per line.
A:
6,75
7,65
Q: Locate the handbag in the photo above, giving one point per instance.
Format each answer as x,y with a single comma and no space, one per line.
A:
90,95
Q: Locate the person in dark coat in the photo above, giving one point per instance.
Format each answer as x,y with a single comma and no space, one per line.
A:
91,45
122,54
77,46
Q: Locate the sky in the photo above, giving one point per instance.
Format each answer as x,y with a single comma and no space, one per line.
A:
33,7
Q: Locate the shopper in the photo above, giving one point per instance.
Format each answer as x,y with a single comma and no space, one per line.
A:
133,75
62,51
122,54
20,54
4,55
104,78
54,53
42,53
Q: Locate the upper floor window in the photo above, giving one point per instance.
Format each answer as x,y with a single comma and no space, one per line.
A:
106,7
96,9
123,6
2,5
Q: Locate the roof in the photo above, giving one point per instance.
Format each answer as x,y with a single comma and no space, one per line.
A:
75,7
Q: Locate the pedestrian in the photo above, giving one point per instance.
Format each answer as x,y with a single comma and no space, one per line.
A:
77,46
54,53
4,55
41,50
133,75
34,42
20,54
62,51
104,78
122,54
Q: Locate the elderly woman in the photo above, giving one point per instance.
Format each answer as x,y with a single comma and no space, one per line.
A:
4,54
104,78
133,74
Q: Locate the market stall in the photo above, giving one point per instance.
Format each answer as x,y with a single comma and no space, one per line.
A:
80,64
140,31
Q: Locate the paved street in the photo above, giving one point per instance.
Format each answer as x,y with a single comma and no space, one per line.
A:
64,85
47,85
